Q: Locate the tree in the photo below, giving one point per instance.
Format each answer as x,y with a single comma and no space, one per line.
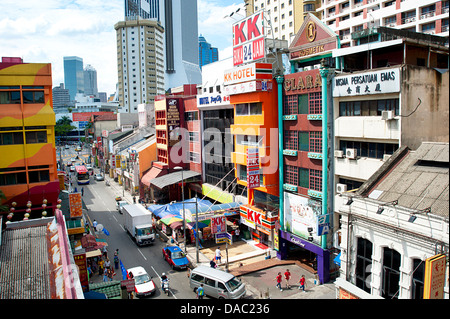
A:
64,126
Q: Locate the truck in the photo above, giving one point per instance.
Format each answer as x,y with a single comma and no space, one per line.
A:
139,223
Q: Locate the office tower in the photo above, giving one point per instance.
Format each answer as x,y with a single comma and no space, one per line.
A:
140,62
61,96
181,35
347,17
144,9
206,53
283,17
90,81
73,75
27,138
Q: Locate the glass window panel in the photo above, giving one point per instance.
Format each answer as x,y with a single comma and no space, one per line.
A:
28,97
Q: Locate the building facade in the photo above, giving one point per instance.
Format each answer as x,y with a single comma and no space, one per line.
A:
395,229
285,16
90,81
73,75
140,62
347,17
27,121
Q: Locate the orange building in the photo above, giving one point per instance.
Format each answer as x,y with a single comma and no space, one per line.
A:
254,96
28,170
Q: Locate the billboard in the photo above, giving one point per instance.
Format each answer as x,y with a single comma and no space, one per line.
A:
218,224
300,216
248,39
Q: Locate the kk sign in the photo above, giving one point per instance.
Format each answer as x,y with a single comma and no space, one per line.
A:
253,168
248,39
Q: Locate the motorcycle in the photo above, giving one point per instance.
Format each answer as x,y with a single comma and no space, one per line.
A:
165,286
107,183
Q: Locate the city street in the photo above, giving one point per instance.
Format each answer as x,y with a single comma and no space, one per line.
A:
99,199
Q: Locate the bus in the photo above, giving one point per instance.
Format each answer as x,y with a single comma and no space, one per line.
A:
82,174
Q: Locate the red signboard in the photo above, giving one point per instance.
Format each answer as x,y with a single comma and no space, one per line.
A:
218,225
253,168
248,39
80,261
75,205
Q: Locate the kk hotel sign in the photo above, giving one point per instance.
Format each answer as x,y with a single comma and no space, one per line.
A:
313,38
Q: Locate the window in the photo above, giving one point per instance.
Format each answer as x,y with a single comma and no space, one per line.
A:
417,279
364,264
194,136
11,138
315,180
33,96
291,104
368,108
13,178
291,140
303,177
248,109
366,149
210,282
198,278
303,138
39,176
390,273
36,137
315,103
291,175
315,142
9,97
194,157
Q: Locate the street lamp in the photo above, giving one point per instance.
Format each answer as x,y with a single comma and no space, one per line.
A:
177,168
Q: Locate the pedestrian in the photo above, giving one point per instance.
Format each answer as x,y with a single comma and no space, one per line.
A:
110,274
287,276
94,224
134,199
82,191
100,267
212,263
107,264
302,283
200,292
218,255
105,275
278,279
116,259
237,232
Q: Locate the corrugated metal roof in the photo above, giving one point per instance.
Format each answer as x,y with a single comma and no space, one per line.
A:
420,180
24,265
173,178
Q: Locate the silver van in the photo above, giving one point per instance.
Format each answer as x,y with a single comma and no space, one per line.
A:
216,283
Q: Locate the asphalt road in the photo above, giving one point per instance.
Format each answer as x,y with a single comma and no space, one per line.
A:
99,198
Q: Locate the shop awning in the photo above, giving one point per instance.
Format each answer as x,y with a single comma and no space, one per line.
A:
337,260
172,178
152,173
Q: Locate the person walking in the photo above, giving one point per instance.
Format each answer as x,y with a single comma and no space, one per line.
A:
116,259
94,224
287,276
278,279
200,292
218,255
302,283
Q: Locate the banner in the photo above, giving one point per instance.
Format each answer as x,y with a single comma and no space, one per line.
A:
253,168
218,225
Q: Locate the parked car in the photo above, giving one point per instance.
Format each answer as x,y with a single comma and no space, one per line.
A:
143,283
175,257
77,149
99,177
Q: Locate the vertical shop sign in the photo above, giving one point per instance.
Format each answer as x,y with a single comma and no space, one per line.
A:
218,225
253,168
75,205
249,39
434,277
173,121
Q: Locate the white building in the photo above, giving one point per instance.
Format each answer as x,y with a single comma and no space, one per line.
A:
347,16
394,224
140,62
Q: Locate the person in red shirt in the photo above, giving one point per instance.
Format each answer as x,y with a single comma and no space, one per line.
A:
302,283
287,276
278,279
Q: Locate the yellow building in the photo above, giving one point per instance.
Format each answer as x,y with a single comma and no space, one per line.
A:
28,169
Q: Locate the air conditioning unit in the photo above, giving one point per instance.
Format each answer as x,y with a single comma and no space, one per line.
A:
350,153
386,157
407,20
387,115
339,154
340,188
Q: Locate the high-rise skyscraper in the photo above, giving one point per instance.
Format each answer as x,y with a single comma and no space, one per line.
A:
73,75
90,80
206,53
140,62
144,9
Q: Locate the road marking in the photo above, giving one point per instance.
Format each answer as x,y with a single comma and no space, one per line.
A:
141,253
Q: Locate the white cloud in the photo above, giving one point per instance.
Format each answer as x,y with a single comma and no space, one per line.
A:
46,31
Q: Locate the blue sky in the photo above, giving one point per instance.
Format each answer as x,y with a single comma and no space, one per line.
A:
47,30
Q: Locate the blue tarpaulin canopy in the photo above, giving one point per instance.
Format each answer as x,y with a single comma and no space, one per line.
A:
203,206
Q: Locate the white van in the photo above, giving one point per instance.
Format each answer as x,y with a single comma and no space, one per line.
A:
217,283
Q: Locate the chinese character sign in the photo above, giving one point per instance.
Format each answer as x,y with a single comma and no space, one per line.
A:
75,205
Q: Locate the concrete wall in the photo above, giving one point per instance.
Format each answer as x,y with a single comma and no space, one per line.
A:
430,122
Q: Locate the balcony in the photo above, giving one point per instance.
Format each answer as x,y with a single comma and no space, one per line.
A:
427,15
